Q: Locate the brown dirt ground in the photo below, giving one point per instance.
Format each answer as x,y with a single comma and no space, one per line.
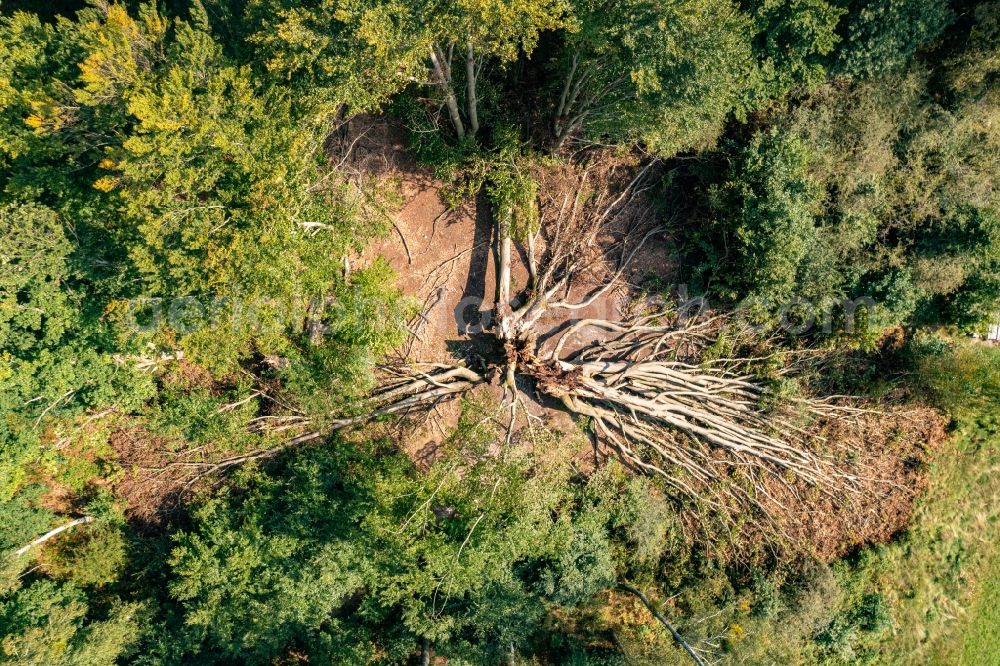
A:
445,259
443,256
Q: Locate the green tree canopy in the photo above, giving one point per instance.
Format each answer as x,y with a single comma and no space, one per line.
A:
663,74
881,36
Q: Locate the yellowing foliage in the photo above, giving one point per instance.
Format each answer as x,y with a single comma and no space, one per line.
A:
105,183
34,121
122,49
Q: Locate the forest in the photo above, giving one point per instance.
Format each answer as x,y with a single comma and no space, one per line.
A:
511,332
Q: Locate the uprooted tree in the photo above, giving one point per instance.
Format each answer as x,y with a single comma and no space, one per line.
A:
649,384
646,384
682,394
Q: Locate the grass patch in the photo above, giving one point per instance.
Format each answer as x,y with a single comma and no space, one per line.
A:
933,576
980,644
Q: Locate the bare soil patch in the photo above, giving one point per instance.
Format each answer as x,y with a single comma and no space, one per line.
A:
445,258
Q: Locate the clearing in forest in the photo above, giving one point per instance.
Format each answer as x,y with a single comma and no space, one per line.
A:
566,323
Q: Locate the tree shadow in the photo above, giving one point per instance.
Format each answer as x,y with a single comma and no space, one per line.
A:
475,311
483,245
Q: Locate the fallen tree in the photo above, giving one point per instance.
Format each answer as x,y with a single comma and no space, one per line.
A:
644,385
650,385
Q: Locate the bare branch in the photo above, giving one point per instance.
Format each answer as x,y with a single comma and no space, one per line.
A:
51,533
666,623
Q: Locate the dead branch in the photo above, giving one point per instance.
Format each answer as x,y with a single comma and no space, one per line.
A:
51,533
144,363
572,227
666,623
405,389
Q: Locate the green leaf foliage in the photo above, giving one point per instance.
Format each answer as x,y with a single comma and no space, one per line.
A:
882,36
665,74
188,283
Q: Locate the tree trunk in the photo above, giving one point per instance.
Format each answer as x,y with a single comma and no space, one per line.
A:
425,653
659,616
503,251
503,315
560,139
564,98
532,262
48,535
505,325
470,86
442,72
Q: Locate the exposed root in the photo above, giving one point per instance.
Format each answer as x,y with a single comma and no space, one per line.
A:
157,478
